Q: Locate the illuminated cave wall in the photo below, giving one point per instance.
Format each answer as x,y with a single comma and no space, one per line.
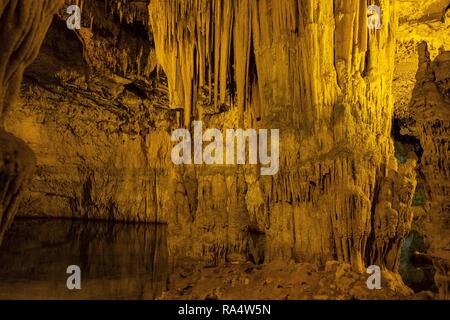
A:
22,30
99,106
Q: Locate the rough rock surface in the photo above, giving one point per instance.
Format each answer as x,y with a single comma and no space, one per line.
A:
99,105
422,114
283,281
22,30
430,109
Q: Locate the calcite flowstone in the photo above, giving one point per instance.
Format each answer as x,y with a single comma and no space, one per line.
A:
422,114
309,68
430,108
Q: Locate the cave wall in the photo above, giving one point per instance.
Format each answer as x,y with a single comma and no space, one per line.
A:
421,112
429,109
22,30
99,116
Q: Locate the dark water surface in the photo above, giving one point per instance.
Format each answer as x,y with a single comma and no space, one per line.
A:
117,261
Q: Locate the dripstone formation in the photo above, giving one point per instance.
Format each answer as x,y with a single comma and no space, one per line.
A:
99,105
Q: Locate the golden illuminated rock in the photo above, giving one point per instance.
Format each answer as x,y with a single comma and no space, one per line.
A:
22,30
99,105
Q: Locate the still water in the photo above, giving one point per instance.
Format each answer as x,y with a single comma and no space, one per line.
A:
117,261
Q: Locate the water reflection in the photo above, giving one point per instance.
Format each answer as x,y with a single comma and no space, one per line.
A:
117,261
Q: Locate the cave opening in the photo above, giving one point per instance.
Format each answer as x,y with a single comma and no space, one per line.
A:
416,268
406,146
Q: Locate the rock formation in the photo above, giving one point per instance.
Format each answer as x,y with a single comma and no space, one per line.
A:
99,106
430,109
421,111
22,29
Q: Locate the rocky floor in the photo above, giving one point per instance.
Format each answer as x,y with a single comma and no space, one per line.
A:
280,281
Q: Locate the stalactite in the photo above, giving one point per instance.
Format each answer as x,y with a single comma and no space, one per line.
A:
193,41
242,41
